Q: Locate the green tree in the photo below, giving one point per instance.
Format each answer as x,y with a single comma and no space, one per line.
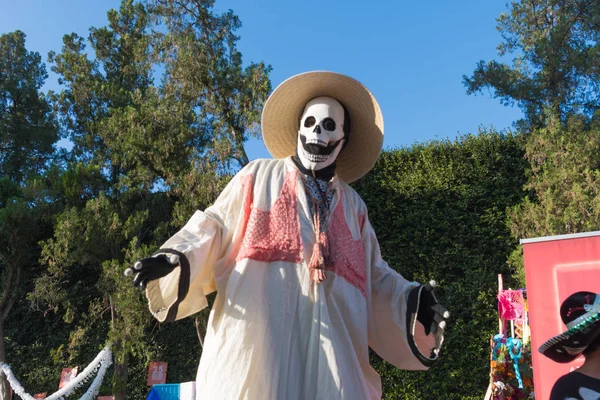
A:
556,64
144,155
28,133
28,130
563,182
199,51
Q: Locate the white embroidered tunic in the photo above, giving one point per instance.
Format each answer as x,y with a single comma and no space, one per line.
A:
273,333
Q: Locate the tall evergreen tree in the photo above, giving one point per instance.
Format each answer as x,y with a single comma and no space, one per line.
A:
563,182
556,64
555,79
28,133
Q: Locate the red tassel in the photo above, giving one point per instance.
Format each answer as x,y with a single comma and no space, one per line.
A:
319,259
316,260
318,275
320,255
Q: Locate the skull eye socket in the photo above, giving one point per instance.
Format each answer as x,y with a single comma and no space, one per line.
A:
309,121
329,124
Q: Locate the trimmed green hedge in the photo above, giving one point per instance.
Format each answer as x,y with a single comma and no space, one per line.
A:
439,210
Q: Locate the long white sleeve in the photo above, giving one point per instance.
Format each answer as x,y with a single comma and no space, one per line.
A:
201,244
388,300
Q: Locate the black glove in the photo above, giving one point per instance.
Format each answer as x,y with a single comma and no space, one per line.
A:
152,268
423,307
431,313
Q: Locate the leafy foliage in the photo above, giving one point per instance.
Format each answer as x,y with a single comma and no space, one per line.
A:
200,56
28,132
143,156
564,183
556,51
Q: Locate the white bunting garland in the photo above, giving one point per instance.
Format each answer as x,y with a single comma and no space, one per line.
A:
100,364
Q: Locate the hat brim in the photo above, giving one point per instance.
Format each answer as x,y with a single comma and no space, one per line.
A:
284,107
569,345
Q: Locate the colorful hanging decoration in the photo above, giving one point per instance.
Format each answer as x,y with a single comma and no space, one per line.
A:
511,373
511,304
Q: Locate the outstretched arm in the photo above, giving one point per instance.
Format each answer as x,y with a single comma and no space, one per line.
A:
406,322
182,272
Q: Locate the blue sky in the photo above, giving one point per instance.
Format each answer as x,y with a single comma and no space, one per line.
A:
411,55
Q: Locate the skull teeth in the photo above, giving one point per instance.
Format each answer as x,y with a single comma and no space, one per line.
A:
314,157
317,142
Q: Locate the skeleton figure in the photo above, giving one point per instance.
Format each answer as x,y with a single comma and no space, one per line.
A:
323,131
254,247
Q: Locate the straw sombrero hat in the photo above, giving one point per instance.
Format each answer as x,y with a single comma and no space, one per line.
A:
283,109
580,312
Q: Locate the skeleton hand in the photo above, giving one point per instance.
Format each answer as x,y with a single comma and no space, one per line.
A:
431,313
151,268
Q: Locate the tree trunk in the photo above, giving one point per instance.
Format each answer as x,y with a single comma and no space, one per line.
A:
120,375
120,359
4,386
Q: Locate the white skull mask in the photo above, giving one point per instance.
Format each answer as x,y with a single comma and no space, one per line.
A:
321,134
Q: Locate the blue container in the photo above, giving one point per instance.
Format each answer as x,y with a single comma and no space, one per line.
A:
167,391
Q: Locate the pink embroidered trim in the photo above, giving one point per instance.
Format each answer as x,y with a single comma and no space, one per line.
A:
348,254
274,235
